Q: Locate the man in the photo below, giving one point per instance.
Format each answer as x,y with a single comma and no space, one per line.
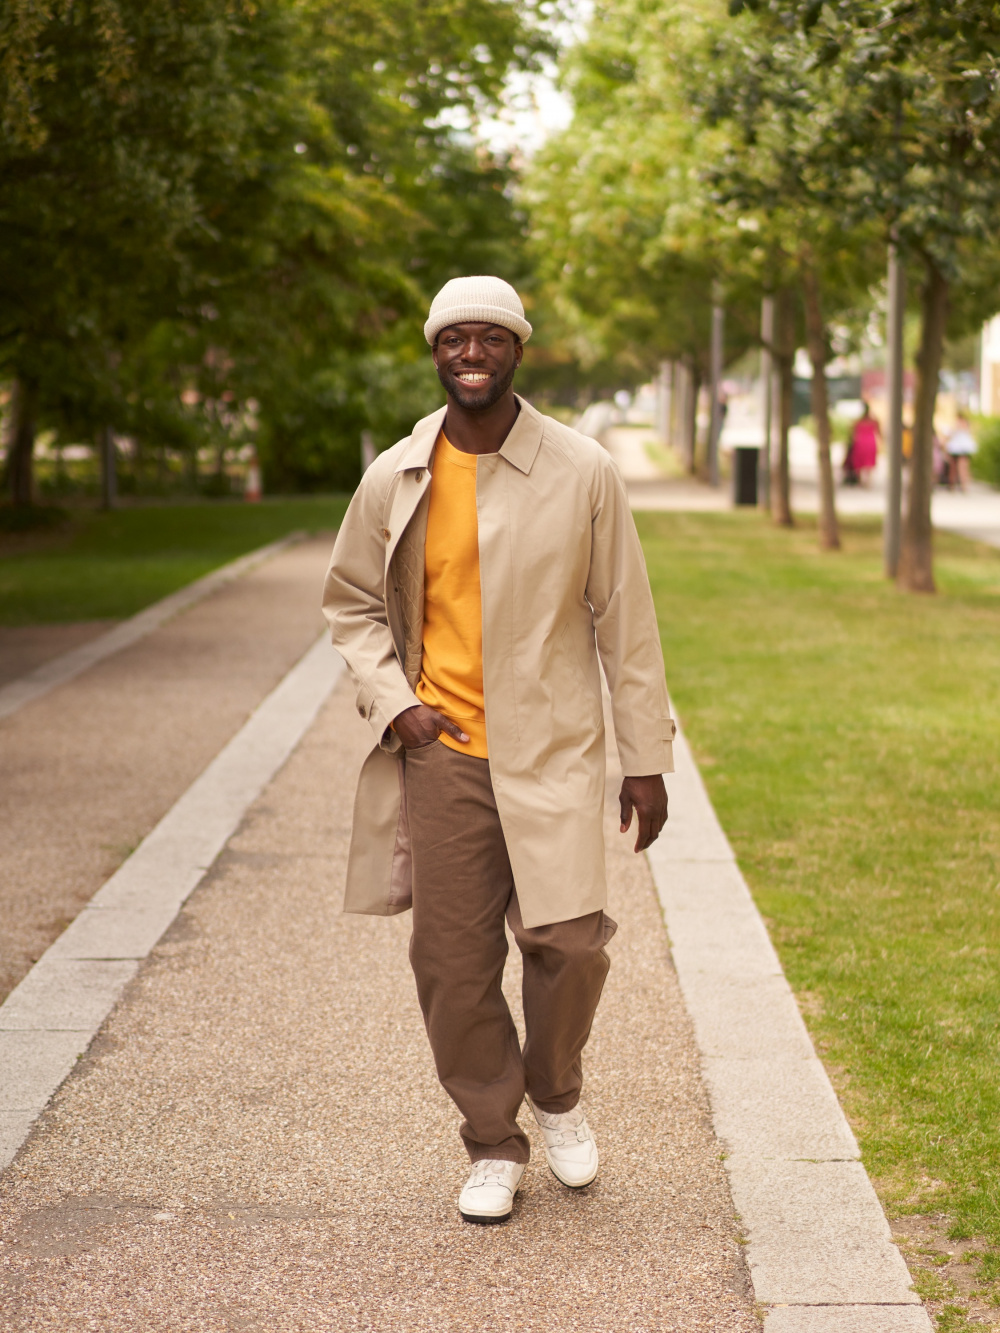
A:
485,565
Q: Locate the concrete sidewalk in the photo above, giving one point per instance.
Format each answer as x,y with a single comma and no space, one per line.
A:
974,513
257,1140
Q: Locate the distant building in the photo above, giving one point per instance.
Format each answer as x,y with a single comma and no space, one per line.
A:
989,376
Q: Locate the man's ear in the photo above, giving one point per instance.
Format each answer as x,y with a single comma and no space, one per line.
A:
518,352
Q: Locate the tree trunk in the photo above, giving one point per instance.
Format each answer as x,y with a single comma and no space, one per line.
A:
916,557
784,360
19,469
829,532
767,382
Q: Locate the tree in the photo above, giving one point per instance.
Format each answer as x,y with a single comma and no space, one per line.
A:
906,134
249,198
99,191
758,87
626,247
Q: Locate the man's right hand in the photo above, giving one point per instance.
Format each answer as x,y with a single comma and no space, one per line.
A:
421,725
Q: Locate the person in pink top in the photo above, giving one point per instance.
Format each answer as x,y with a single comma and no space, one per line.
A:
864,445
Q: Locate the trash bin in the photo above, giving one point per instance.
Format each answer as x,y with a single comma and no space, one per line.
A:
745,475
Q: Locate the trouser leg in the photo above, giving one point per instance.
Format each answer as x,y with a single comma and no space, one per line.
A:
462,884
565,965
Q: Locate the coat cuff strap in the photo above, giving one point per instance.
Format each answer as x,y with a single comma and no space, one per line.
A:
380,712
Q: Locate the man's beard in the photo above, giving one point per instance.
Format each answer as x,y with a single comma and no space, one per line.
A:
457,389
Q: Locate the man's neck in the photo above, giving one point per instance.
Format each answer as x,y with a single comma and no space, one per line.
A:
480,432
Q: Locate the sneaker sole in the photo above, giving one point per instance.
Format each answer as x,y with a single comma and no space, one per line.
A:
573,1184
486,1219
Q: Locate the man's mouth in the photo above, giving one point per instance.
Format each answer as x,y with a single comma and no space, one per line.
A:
473,376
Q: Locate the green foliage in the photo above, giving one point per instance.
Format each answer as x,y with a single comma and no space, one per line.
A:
986,461
848,737
881,111
625,242
212,216
29,518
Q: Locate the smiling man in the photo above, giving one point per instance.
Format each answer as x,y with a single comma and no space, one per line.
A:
486,569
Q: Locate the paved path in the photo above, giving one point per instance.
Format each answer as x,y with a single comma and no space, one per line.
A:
974,513
257,1139
646,487
90,768
229,1153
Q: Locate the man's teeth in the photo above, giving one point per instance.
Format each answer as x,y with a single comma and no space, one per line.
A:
472,377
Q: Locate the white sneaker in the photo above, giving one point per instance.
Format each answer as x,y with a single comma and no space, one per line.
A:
489,1192
570,1149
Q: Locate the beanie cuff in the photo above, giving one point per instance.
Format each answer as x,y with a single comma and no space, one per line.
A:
476,314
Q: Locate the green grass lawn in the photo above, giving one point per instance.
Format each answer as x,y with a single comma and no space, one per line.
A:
100,565
849,736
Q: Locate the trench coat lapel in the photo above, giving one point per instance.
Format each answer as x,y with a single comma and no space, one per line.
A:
404,499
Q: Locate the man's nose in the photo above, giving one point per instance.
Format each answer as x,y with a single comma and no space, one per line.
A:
474,351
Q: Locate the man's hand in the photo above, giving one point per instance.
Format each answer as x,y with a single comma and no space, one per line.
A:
648,797
421,725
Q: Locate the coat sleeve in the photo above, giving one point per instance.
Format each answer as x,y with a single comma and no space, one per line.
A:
628,637
354,605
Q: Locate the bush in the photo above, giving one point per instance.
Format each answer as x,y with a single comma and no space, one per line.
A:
986,460
26,518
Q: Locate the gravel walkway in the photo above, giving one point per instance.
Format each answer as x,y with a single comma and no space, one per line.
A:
256,1141
90,768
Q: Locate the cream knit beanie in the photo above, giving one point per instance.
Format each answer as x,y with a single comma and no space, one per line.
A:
482,300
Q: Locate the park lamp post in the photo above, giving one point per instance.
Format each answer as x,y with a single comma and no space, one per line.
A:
715,419
894,435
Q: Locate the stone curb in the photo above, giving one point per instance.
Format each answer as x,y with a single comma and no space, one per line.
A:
48,1021
819,1248
61,669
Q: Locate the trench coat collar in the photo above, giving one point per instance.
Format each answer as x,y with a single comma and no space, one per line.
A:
525,438
421,443
519,448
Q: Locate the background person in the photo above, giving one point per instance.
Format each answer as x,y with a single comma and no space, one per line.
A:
863,450
486,568
961,445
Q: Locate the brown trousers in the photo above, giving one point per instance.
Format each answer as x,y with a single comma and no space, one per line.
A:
462,891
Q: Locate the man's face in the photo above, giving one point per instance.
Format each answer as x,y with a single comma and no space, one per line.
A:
476,363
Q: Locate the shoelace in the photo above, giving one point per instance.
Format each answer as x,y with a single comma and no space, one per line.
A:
569,1127
488,1171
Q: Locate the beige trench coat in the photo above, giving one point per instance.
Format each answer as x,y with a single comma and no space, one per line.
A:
563,583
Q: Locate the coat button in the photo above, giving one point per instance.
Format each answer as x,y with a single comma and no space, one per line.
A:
386,533
361,709
418,475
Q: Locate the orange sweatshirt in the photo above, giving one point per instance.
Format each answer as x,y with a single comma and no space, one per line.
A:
451,675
